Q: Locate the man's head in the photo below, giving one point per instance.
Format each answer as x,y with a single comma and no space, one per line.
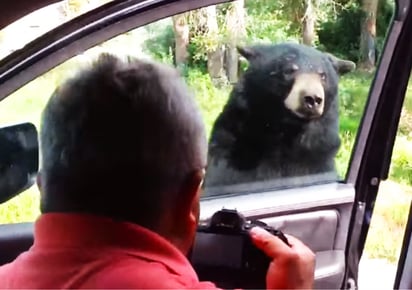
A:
124,139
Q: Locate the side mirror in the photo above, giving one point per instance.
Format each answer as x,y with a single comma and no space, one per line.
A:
19,159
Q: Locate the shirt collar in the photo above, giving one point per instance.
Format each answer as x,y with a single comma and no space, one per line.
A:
66,230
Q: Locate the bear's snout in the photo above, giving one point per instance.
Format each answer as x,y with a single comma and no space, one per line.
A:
312,102
307,96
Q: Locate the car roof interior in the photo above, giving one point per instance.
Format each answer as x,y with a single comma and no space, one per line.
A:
13,10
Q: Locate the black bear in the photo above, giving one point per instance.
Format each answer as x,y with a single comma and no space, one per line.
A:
281,121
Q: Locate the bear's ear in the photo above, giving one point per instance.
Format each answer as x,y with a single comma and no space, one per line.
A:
248,52
341,66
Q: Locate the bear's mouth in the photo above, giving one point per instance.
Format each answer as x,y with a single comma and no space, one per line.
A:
300,117
307,113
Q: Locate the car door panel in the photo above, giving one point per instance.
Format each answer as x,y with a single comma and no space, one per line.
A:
319,230
14,239
330,269
309,226
318,215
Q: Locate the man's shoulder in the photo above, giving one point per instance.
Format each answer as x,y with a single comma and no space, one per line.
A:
139,274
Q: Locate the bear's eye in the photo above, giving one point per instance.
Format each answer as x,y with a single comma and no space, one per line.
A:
290,70
322,76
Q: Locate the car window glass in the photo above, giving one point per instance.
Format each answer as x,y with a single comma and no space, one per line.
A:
41,21
275,80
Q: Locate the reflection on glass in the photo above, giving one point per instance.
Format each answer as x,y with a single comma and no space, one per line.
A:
281,120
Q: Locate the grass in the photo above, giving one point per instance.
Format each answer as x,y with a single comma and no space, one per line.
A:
388,222
393,199
401,167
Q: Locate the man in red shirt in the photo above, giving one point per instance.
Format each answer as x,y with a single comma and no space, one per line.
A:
123,157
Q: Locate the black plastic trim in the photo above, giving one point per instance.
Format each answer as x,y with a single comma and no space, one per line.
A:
15,239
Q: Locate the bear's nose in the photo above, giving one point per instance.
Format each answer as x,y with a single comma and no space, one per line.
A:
312,102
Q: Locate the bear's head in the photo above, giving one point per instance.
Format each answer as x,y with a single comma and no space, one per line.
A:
300,78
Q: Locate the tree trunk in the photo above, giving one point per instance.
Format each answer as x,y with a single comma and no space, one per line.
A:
181,30
309,22
236,31
367,54
215,53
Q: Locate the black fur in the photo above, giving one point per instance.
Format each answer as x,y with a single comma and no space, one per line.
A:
257,138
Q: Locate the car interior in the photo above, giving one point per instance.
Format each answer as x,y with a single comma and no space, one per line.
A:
331,217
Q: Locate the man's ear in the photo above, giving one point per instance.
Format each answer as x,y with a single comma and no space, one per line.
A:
186,211
341,66
39,181
190,194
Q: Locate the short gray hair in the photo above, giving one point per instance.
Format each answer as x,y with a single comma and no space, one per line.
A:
119,138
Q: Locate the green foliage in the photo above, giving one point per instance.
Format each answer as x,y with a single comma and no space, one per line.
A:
353,93
341,34
385,14
401,166
161,41
23,208
75,6
390,216
209,98
202,39
268,22
344,153
199,47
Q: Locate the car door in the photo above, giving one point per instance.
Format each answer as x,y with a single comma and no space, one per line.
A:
331,217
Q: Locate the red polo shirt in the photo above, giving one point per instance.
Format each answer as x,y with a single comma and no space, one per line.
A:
84,251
